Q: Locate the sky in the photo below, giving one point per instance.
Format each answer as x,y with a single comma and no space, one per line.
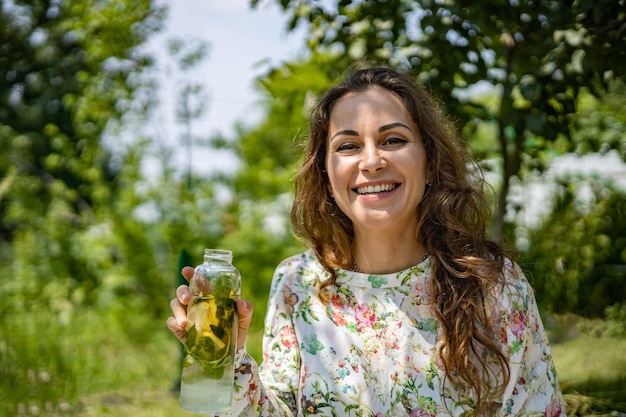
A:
243,43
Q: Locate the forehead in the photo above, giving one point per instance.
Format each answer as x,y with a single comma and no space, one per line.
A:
375,105
373,99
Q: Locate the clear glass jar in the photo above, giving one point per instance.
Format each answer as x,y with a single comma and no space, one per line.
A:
211,336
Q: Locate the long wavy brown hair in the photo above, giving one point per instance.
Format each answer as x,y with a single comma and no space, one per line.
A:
452,221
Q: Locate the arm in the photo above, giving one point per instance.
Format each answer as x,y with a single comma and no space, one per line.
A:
270,390
533,388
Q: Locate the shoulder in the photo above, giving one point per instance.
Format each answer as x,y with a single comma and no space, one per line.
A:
514,290
302,263
301,270
515,278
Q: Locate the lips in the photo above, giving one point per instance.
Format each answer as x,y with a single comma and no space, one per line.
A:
375,189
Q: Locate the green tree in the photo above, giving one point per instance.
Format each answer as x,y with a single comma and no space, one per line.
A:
69,239
536,56
577,254
69,70
577,259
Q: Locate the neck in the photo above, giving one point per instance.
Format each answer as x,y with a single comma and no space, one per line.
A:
381,252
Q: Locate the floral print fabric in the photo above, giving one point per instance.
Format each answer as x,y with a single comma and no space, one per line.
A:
370,349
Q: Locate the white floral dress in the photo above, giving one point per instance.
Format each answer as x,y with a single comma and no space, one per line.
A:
371,350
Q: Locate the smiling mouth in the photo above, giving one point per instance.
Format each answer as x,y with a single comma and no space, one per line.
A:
375,189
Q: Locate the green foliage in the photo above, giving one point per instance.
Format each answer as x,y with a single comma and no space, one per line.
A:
96,258
615,316
539,52
69,71
70,240
614,324
577,258
597,125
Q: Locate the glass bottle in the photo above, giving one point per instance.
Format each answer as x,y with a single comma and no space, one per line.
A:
211,335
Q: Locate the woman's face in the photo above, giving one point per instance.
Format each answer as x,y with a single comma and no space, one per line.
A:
376,161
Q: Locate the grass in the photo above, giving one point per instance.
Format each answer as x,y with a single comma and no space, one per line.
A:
99,364
144,403
592,366
591,369
50,363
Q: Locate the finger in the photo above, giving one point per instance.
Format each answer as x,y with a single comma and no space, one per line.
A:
244,311
178,331
180,312
182,294
187,272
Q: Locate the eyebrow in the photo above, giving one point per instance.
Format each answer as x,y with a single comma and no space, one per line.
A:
347,132
383,128
392,125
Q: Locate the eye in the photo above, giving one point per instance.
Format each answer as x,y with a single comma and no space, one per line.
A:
347,147
395,141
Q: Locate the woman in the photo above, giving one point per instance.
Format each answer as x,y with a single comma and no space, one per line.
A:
401,306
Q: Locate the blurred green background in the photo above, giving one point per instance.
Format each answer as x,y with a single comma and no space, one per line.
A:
91,243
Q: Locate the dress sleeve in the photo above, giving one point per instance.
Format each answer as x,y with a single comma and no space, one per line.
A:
269,389
533,388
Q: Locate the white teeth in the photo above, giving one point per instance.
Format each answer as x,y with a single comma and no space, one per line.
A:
371,189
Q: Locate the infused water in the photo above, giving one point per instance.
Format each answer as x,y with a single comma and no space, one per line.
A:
210,341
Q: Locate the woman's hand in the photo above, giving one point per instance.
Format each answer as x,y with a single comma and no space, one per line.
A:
178,322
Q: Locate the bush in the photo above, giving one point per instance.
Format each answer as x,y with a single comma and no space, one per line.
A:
614,324
577,258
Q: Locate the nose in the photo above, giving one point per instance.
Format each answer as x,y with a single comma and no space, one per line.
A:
371,158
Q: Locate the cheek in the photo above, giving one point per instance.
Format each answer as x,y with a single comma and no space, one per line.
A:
334,187
419,165
335,174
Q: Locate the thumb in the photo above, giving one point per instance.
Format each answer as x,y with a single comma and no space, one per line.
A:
244,311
